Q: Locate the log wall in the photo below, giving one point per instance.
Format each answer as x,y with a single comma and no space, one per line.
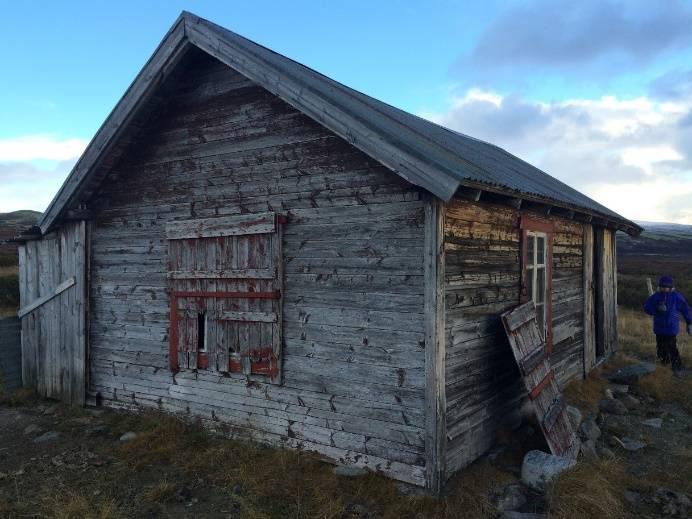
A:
354,343
482,279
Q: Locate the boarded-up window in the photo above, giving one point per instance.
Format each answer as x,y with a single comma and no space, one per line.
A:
225,278
536,274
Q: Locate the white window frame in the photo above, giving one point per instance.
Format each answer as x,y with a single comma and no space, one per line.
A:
533,267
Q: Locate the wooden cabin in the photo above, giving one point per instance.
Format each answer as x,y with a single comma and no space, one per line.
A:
249,242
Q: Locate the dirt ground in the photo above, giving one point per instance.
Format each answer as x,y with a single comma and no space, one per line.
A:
59,462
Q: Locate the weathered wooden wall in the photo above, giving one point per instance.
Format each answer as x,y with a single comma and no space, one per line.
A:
10,355
605,273
482,244
54,333
354,356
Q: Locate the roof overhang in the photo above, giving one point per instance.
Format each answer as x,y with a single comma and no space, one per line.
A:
190,30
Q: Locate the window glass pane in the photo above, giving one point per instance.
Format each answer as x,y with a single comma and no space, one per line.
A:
540,285
540,245
540,318
530,248
529,282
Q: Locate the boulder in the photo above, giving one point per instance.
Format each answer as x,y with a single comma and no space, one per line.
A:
539,468
128,436
656,423
629,444
513,497
574,416
674,504
629,401
631,374
31,429
46,437
588,450
619,389
612,406
606,453
589,430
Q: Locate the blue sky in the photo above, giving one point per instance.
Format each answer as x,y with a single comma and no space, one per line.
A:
598,94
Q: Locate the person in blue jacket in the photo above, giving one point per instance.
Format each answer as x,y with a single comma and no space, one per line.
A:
664,305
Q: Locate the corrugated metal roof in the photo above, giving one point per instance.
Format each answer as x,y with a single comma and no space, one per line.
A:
426,154
467,159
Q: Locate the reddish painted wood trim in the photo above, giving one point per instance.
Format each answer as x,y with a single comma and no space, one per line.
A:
534,224
541,385
276,294
173,335
281,219
202,360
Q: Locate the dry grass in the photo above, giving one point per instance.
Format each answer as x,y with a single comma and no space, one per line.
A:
590,491
585,394
77,506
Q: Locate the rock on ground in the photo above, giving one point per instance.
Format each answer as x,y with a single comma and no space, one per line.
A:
609,405
512,498
631,374
629,444
656,423
590,430
674,504
629,401
588,450
539,468
46,437
128,436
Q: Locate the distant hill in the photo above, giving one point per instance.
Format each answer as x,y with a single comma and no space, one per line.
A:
669,239
12,224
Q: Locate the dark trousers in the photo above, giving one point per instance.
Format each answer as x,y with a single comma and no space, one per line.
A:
667,350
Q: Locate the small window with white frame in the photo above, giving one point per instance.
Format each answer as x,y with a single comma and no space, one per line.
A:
536,272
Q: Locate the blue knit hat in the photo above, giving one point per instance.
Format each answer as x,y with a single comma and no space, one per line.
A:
666,281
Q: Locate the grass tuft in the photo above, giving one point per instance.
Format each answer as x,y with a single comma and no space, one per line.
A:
589,491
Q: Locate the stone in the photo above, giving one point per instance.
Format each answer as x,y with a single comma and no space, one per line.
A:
512,498
574,416
631,374
609,394
612,406
522,515
31,429
656,423
52,409
589,430
539,468
629,401
350,471
619,389
674,504
630,444
46,437
128,436
606,453
588,450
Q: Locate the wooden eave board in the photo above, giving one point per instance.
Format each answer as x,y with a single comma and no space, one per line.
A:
529,350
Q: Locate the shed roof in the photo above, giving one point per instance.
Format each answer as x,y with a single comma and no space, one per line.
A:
427,155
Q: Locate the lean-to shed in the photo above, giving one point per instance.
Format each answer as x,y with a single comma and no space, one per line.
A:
247,241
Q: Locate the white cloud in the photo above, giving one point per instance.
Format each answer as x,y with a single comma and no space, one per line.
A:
24,185
628,154
40,147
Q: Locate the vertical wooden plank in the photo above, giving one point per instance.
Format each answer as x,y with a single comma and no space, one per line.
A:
588,283
27,333
614,270
277,305
434,307
243,305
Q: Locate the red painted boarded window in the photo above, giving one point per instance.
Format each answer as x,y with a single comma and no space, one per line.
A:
536,272
225,278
